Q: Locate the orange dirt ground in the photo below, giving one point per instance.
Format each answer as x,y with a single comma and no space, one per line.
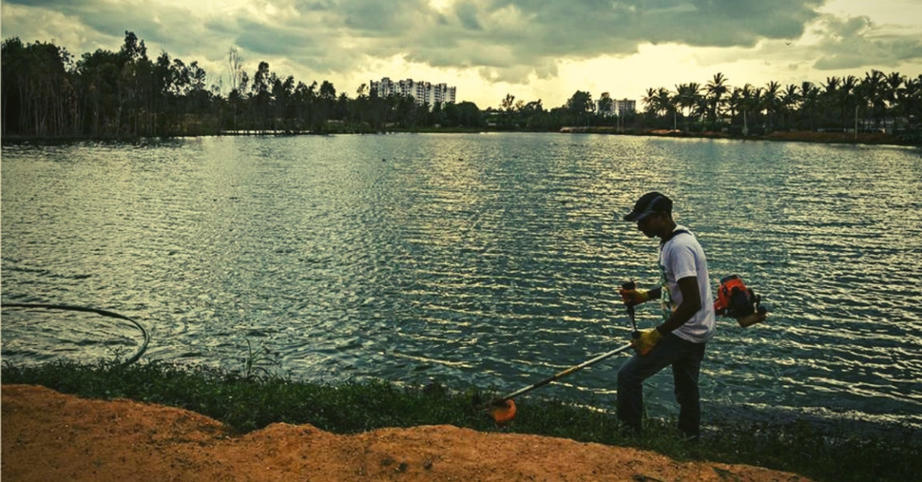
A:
51,436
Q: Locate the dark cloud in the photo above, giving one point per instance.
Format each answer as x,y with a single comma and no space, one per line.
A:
856,42
171,27
585,25
319,53
507,40
392,16
467,14
55,4
265,39
505,35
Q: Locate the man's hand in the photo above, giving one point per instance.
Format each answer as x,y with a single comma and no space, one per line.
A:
633,297
646,341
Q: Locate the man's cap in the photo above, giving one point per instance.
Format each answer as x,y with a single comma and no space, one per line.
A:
649,203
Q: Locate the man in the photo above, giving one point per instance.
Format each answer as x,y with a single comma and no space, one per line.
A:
688,317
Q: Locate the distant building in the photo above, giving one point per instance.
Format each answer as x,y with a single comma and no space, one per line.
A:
383,88
422,92
443,94
625,106
615,106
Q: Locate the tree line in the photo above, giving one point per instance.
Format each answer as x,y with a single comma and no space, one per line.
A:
47,92
877,102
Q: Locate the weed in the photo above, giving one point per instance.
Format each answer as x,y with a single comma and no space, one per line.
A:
258,361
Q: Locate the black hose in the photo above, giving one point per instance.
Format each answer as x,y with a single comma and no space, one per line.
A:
110,314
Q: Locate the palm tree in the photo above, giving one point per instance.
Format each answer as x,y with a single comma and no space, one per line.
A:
649,101
757,105
715,89
848,97
733,103
894,81
771,102
701,108
907,98
665,102
892,86
829,96
745,104
687,96
872,94
789,99
810,100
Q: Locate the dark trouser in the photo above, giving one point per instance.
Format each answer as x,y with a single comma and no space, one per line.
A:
685,358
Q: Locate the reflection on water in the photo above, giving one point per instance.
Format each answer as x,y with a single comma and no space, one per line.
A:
489,260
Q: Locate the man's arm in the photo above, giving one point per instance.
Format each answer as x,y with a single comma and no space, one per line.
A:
691,303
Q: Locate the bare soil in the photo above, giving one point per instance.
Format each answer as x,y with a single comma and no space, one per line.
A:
51,436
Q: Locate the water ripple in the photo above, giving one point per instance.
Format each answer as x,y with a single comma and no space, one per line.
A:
491,260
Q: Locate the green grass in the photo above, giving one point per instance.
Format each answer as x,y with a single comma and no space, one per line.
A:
247,402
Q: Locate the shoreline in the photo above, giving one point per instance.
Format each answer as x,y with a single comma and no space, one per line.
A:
863,138
248,403
59,436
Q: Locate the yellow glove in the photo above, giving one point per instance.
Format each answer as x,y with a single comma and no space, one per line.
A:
646,341
634,296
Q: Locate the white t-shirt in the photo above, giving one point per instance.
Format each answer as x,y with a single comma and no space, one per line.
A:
681,257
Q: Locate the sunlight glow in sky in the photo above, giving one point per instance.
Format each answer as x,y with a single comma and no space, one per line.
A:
488,48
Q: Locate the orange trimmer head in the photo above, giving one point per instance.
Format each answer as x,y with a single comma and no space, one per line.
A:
502,411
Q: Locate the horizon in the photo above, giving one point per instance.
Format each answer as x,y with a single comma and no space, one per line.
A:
488,49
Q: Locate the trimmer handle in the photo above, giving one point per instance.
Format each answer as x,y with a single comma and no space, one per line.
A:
631,285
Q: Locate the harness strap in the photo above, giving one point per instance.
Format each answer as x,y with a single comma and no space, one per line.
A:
672,235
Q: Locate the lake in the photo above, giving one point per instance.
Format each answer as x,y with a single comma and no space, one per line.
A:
488,260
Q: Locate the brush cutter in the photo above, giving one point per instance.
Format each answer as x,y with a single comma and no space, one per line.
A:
734,300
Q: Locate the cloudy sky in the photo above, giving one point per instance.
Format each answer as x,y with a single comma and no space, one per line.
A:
487,48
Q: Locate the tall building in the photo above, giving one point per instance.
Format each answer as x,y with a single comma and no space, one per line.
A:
443,94
624,106
615,107
421,91
384,88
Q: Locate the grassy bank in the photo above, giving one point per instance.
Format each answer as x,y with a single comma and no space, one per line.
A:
250,402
